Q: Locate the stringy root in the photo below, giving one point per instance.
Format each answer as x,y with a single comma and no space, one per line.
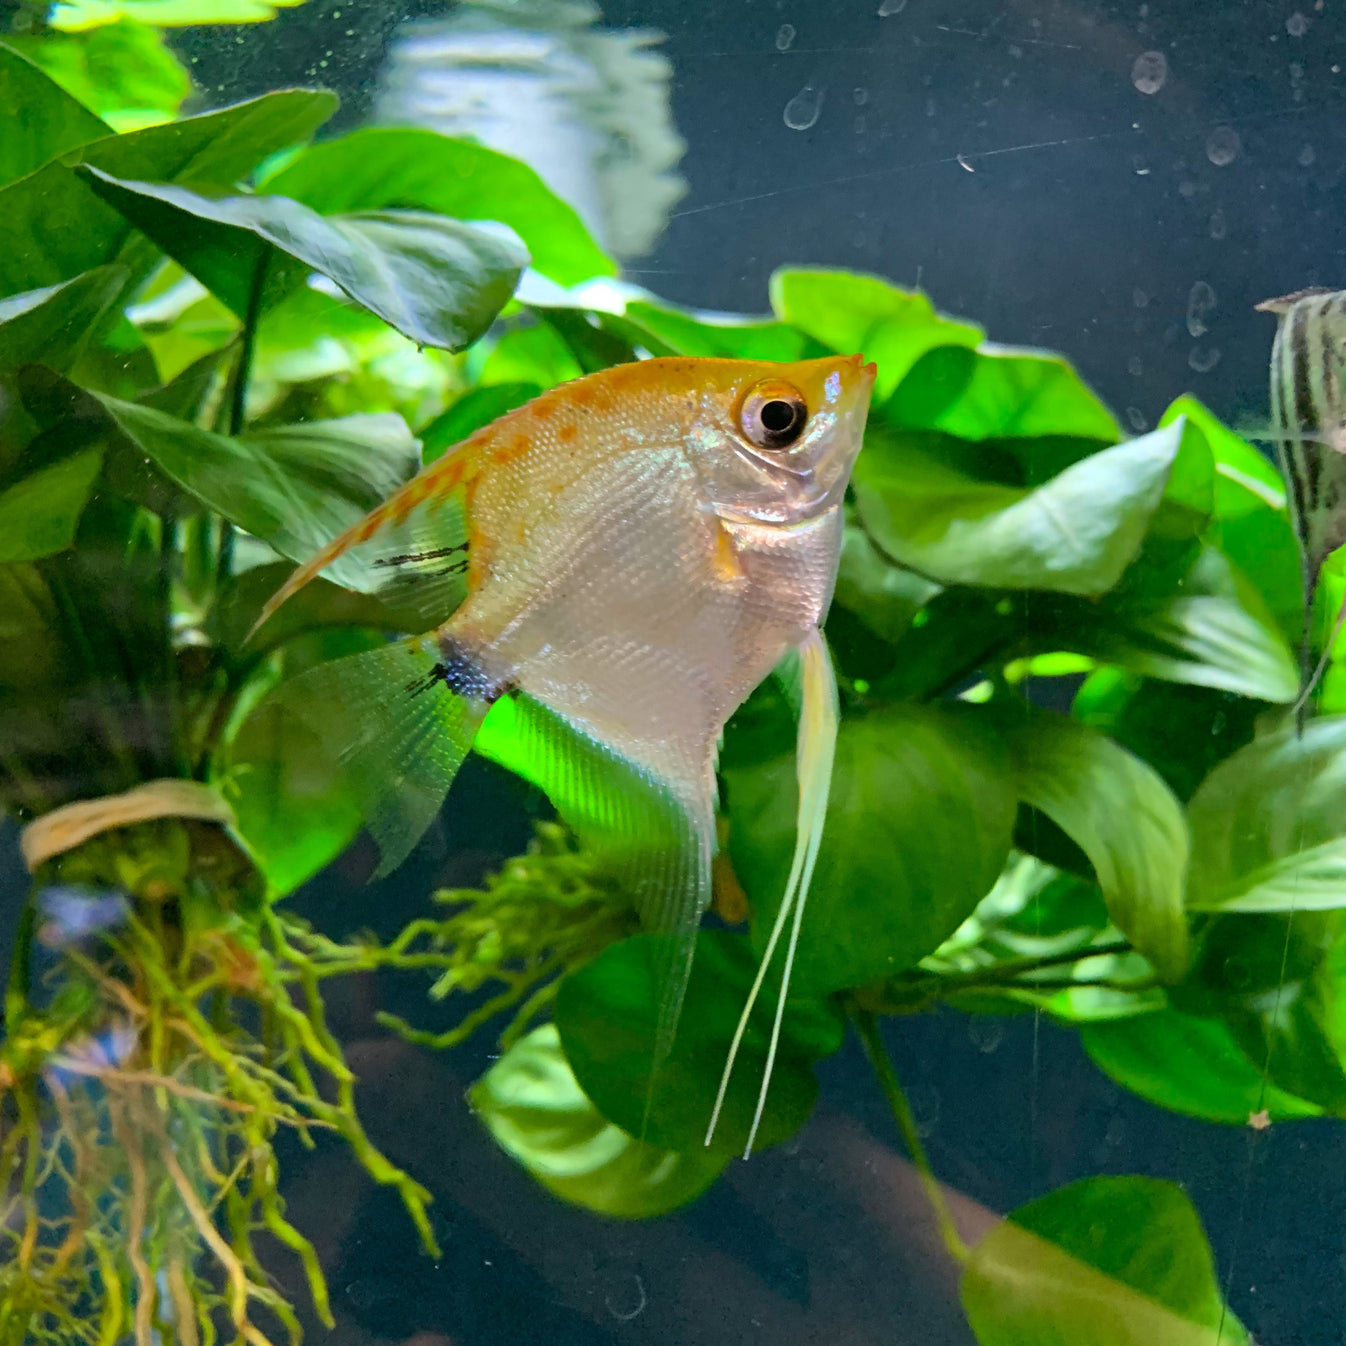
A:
138,1111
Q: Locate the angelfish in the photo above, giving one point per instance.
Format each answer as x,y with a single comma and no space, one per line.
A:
1308,410
629,555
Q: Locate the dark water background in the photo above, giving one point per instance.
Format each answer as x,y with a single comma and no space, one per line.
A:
1080,217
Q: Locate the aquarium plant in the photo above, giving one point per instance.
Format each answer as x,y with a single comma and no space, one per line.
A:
1067,780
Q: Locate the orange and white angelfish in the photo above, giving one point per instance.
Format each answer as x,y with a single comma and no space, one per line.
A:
628,555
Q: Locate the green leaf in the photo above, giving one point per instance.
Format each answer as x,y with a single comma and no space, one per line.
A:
472,412
41,119
290,797
39,514
1074,534
50,326
1109,1261
1188,1064
295,487
1277,982
918,827
678,331
1121,814
77,15
884,597
1183,612
535,355
998,392
1182,731
607,1015
537,1112
1269,825
379,168
1245,480
122,71
847,311
436,281
57,227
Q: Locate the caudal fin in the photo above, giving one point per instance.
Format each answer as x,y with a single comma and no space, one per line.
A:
398,732
814,754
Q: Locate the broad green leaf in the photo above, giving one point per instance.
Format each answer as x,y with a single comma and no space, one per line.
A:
593,345
1184,613
290,797
39,513
1115,1261
1245,479
1189,498
77,15
1189,1064
41,119
1121,814
918,827
295,487
472,412
50,326
728,336
533,1106
607,1014
436,281
998,392
1182,731
1269,824
1278,983
848,311
122,71
884,597
534,355
379,168
1074,534
56,227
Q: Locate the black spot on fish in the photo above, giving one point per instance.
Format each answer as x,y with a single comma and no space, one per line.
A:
462,674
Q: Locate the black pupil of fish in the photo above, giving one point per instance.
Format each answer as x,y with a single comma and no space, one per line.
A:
779,417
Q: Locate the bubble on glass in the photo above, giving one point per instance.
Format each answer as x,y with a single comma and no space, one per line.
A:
986,1032
887,8
861,97
804,109
1135,366
1223,146
1219,225
1200,301
1306,157
1203,359
1149,72
1297,24
785,35
924,1101
1137,419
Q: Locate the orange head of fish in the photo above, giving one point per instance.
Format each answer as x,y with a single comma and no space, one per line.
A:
775,443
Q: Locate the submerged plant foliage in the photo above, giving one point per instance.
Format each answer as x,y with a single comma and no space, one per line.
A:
250,340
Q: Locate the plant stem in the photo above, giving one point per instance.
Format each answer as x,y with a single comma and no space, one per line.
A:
867,1029
238,399
1010,970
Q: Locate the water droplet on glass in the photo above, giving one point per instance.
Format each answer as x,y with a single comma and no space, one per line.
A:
785,34
1297,24
1135,418
1187,190
1203,361
1149,71
890,7
1135,366
861,97
1200,301
986,1032
1219,226
924,1100
1306,156
804,108
1139,298
1223,146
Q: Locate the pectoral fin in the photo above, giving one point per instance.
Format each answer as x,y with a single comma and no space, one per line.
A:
397,730
814,753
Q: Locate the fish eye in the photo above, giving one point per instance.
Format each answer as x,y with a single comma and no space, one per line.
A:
773,415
